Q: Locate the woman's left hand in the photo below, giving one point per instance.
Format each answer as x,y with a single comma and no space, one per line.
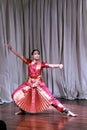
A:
61,66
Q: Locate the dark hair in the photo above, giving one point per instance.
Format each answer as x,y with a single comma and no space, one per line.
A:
34,51
2,125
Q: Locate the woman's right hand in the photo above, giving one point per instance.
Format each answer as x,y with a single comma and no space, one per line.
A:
9,46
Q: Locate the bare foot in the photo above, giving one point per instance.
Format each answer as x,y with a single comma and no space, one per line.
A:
71,114
18,113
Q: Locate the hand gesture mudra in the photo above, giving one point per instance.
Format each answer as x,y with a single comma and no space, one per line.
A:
9,46
61,66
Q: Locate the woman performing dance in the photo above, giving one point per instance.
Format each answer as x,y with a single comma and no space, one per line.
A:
33,95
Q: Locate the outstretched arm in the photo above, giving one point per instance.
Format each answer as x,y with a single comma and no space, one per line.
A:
16,53
60,66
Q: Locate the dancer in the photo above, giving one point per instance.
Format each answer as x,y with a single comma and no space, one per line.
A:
33,95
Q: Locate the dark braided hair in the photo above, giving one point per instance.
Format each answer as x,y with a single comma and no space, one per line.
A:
35,50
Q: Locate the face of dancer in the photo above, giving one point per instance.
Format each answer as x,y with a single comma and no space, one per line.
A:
36,55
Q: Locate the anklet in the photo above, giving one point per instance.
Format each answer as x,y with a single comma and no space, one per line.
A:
66,111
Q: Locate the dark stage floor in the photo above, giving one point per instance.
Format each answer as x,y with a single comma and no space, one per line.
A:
48,120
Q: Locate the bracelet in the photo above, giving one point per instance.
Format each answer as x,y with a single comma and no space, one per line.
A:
11,48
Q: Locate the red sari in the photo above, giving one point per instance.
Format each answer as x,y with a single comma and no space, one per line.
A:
33,95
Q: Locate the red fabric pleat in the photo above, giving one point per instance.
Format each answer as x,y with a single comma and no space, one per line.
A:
32,100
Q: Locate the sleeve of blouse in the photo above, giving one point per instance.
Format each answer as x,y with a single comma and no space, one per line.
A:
45,65
28,61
